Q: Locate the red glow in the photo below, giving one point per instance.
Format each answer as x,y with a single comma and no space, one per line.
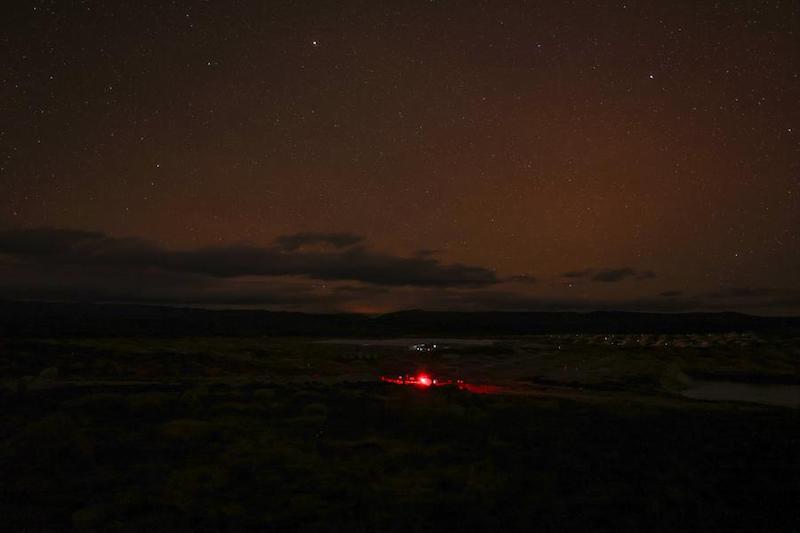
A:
423,380
419,380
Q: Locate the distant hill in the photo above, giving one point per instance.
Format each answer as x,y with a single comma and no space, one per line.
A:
27,319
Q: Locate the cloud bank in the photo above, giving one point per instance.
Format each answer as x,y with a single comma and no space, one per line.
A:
344,258
321,272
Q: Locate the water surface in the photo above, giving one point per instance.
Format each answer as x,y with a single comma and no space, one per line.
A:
781,395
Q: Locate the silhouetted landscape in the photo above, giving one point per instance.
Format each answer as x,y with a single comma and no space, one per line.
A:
74,319
127,418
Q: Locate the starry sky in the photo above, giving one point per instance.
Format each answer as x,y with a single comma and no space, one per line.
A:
371,156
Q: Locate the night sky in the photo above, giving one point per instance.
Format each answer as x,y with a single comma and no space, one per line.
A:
374,156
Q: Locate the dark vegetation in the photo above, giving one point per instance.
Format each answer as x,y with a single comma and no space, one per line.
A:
371,457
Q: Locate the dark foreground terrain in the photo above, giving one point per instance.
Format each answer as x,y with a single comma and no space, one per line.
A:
585,432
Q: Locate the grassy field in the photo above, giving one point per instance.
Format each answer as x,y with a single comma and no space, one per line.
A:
213,434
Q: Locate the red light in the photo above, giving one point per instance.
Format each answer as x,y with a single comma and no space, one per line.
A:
418,380
422,380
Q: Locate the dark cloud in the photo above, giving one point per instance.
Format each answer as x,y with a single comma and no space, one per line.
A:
619,274
35,280
286,257
670,294
322,272
296,241
76,246
609,275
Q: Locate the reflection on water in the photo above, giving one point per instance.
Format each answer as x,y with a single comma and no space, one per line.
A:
782,395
